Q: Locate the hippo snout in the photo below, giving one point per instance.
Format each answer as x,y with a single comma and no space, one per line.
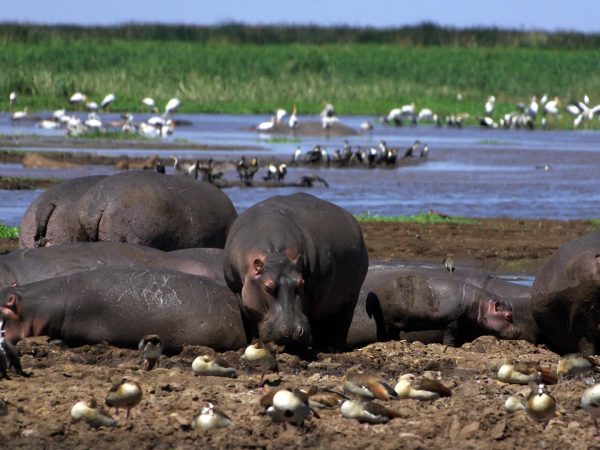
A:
298,334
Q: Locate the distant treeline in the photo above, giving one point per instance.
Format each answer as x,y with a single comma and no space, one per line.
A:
425,34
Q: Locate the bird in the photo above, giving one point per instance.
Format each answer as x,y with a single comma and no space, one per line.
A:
260,357
551,107
90,413
20,115
533,108
366,411
328,111
523,374
366,126
576,364
93,122
9,356
210,418
287,405
366,385
296,157
91,106
266,126
424,388
12,99
513,404
324,398
541,405
151,348
293,121
172,105
124,394
425,114
210,365
106,101
590,402
489,105
77,98
272,172
281,172
487,122
310,179
448,262
149,103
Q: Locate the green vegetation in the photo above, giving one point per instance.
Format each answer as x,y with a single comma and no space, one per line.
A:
282,140
235,69
422,218
8,232
111,135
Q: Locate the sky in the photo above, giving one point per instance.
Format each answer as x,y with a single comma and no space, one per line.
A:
546,15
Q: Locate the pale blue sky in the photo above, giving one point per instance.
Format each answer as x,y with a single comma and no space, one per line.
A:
550,15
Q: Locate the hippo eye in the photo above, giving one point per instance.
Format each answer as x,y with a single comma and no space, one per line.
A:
501,307
270,287
299,284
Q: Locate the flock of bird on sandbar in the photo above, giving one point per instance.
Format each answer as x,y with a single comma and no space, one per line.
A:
524,115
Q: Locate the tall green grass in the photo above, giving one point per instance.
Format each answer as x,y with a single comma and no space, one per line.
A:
7,231
250,78
421,218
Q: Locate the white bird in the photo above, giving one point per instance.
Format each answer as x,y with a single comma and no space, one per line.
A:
156,121
149,103
107,101
280,113
551,106
19,115
293,122
266,126
328,111
586,99
172,105
489,105
590,401
408,110
48,124
93,122
148,130
57,114
425,114
573,109
91,106
287,406
77,98
577,121
210,418
12,99
533,108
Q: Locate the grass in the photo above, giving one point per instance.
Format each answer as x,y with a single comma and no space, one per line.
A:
358,78
8,232
421,218
282,140
112,135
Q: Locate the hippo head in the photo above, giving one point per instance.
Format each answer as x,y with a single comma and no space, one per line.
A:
273,296
495,316
10,315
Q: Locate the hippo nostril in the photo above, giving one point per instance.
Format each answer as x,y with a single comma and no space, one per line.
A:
285,332
299,331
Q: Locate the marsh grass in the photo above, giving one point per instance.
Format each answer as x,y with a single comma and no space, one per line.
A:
421,218
232,77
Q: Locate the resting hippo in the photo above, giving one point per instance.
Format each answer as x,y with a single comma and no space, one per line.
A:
33,264
212,258
298,263
121,305
368,324
165,212
566,296
403,301
52,218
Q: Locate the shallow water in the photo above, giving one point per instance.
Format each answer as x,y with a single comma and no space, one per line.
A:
470,172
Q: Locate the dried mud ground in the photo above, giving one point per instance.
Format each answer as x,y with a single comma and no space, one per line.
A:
473,418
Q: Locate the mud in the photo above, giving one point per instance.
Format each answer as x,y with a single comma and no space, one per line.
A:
473,418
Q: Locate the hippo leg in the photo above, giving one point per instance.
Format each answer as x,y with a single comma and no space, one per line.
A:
375,312
331,332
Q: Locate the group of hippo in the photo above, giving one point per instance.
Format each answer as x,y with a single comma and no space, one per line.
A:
116,258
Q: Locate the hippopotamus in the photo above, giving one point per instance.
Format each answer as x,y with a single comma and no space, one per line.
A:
25,266
395,304
368,324
566,296
121,305
298,263
211,258
145,208
52,218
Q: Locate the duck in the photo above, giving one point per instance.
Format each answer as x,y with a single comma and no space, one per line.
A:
523,374
210,418
124,394
409,386
90,413
151,348
541,405
260,357
210,365
590,402
287,405
366,385
367,411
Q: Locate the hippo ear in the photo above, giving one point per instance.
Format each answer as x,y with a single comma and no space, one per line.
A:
11,303
259,266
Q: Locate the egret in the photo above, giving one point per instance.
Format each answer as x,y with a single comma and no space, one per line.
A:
266,126
12,99
107,101
150,104
293,122
551,107
172,105
489,105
